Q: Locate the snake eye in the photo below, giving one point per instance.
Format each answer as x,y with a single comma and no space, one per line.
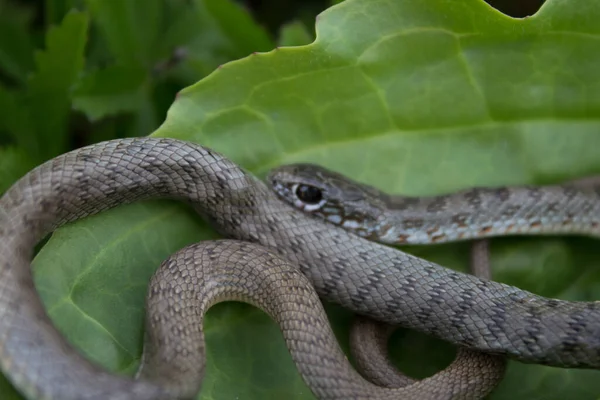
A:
309,194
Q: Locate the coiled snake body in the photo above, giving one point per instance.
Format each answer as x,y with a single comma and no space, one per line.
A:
366,277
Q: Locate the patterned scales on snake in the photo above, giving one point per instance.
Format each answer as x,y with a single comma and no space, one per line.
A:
369,345
570,208
366,277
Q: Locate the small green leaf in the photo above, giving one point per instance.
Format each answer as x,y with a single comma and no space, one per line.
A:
112,90
56,10
238,24
7,391
294,34
14,163
196,34
15,121
58,68
16,44
130,28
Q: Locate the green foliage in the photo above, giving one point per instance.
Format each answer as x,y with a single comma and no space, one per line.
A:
239,27
16,45
37,116
48,89
110,91
414,97
105,69
14,163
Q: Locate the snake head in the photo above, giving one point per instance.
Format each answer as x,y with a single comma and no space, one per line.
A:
328,195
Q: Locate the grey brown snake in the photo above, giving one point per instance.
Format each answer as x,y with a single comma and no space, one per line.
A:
368,278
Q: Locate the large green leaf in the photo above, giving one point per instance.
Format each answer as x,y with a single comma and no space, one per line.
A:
414,97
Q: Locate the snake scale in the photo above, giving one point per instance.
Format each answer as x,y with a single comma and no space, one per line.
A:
369,278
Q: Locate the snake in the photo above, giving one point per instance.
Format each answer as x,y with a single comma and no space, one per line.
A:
300,254
369,340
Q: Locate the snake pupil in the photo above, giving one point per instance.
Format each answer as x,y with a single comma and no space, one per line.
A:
309,194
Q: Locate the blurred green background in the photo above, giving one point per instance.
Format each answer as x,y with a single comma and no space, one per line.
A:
115,71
